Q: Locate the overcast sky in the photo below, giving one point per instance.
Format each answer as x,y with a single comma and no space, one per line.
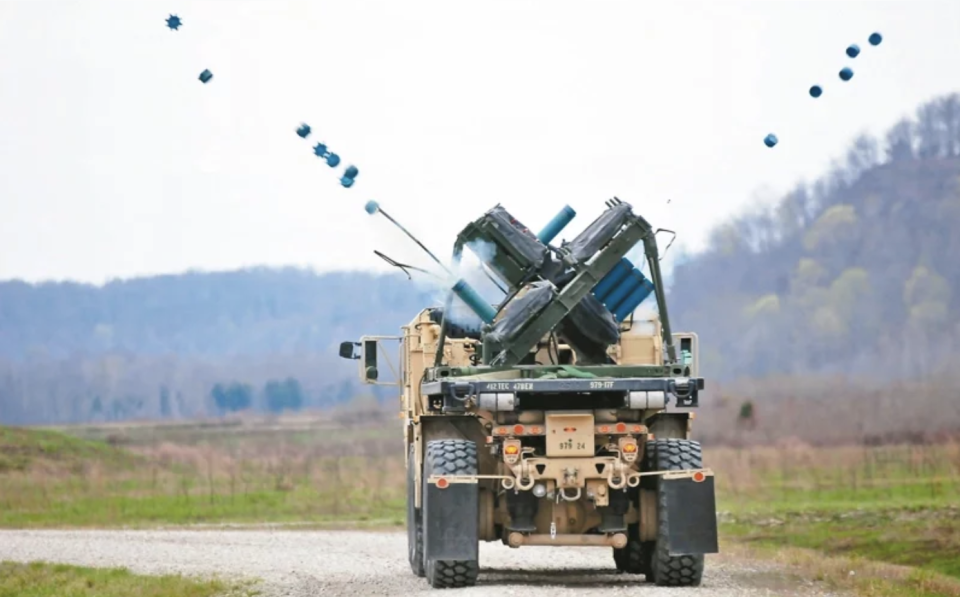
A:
116,161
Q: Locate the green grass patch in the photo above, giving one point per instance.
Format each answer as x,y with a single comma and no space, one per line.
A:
21,448
215,474
55,580
927,539
892,509
854,575
144,498
230,434
837,479
183,485
61,508
919,494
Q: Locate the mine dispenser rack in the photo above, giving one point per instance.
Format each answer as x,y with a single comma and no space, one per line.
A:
581,289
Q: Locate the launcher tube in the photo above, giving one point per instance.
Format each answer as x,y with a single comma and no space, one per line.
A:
558,223
473,300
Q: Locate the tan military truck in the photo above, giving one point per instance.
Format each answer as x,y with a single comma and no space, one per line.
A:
552,418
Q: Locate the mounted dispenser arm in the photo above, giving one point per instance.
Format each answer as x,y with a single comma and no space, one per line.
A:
581,290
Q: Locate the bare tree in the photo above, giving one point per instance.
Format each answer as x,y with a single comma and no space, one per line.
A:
900,141
948,110
863,155
929,132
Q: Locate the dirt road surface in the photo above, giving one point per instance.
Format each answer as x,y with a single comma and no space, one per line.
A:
360,563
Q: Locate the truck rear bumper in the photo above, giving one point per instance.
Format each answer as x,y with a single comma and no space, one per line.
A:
617,540
629,477
688,496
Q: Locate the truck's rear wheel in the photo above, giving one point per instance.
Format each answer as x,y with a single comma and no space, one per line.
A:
630,559
414,520
666,570
451,457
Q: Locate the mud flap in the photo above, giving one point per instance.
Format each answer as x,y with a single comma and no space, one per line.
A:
451,522
692,512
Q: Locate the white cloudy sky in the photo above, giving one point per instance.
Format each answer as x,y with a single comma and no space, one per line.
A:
116,161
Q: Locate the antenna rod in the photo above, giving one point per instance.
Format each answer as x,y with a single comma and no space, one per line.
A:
373,207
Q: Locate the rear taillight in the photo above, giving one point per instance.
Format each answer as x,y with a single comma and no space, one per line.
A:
511,451
628,449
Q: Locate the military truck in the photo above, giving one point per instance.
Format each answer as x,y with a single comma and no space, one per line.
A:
558,420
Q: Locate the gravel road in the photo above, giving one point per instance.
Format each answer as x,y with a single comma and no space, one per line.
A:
360,563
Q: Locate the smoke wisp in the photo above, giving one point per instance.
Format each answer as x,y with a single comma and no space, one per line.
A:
470,269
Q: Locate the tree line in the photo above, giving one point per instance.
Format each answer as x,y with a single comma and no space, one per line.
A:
121,387
276,396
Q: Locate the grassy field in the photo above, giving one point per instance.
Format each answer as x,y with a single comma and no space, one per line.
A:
263,473
21,449
54,580
891,512
895,508
799,477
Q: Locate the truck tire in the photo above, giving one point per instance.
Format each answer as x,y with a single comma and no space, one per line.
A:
414,520
630,559
666,570
451,457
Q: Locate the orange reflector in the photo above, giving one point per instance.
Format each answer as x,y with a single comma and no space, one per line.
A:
518,429
637,428
511,449
501,430
698,476
536,430
570,429
604,429
442,483
629,448
621,427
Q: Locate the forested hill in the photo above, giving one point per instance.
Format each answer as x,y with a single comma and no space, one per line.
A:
247,312
857,272
191,345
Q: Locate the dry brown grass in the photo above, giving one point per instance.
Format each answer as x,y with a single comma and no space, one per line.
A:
830,411
265,475
793,464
